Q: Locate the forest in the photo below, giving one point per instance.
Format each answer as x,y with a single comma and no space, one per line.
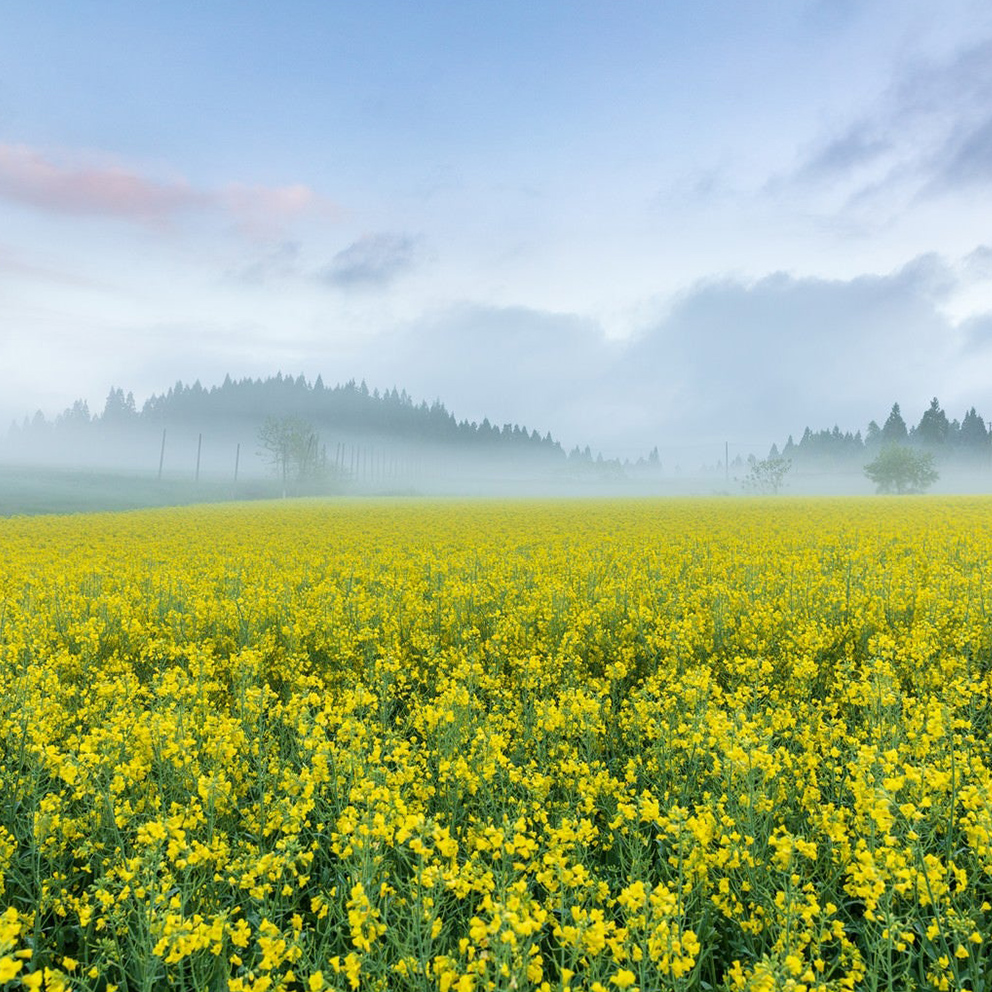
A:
967,441
280,435
350,408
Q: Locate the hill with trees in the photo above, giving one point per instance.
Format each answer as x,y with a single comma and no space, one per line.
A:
297,430
344,409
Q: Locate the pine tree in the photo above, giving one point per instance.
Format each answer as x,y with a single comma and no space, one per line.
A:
894,429
973,437
934,426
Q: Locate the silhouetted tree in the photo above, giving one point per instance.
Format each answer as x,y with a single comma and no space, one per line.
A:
973,436
293,447
76,416
119,409
873,435
767,476
894,429
934,426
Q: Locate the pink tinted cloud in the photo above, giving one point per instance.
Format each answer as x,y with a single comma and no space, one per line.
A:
29,177
26,176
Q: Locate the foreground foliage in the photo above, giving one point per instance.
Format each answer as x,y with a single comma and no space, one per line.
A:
596,746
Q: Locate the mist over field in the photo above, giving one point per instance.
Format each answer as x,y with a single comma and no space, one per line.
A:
288,437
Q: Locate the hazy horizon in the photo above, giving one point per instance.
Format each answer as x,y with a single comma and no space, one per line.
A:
624,225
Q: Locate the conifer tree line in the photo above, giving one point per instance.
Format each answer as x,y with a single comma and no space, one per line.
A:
966,440
352,409
349,408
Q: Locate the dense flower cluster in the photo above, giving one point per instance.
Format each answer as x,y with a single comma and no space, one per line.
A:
587,746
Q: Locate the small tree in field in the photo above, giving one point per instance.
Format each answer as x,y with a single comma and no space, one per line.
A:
766,476
293,447
898,469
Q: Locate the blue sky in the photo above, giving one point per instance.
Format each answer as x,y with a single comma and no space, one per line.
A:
629,223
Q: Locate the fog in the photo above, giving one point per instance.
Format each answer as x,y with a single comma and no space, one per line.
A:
59,466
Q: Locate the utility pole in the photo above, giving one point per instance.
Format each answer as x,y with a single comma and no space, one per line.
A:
726,461
237,460
161,456
199,446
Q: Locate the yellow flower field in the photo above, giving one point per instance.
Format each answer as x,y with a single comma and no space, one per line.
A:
580,745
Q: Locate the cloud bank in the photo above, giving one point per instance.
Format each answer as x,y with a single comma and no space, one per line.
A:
746,361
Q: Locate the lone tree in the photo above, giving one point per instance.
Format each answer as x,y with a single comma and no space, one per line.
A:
293,447
899,469
766,476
